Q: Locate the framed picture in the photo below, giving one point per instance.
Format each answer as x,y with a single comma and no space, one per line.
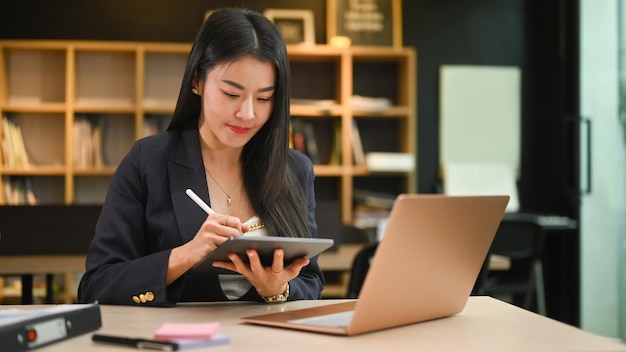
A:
365,22
296,26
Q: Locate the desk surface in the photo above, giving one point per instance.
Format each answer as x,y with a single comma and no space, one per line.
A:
486,324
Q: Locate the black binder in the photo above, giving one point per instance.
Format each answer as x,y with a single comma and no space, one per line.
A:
27,329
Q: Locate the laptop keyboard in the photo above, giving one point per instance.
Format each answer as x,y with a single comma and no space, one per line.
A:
340,320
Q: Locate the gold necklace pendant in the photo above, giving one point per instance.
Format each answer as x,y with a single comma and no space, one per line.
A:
229,199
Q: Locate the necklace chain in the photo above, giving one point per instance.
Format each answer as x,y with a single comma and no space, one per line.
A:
229,199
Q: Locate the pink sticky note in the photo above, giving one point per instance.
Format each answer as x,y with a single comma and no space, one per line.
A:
172,331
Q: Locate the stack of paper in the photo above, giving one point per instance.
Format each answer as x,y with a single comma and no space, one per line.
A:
359,102
390,161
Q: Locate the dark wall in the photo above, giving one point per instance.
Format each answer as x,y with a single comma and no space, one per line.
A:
486,32
538,36
139,20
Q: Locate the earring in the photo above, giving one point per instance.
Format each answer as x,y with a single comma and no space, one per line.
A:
195,91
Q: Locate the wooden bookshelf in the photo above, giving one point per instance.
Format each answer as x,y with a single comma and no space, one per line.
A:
334,74
45,86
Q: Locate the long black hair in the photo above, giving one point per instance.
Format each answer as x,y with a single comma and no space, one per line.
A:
227,35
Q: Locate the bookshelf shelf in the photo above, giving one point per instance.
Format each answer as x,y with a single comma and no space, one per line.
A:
303,110
34,171
154,107
47,86
328,170
112,107
35,107
100,171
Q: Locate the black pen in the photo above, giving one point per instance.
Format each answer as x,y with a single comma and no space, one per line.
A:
140,343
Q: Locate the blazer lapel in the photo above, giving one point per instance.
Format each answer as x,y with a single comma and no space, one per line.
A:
187,171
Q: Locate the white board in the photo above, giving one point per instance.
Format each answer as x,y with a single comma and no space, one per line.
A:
480,115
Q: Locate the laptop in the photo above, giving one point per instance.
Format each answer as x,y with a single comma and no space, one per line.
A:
424,268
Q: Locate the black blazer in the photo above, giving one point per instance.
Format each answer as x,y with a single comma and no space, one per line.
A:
146,213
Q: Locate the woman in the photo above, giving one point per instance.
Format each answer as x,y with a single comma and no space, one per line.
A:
228,142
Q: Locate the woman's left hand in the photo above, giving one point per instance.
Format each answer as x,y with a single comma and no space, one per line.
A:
268,281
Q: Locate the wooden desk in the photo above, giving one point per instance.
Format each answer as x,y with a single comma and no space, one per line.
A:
341,259
336,266
486,324
41,264
29,265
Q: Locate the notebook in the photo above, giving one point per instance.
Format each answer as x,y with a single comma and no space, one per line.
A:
424,268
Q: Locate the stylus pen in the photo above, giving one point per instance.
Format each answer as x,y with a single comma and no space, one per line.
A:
199,201
139,343
202,204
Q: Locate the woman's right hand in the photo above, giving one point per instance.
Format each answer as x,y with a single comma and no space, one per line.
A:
215,230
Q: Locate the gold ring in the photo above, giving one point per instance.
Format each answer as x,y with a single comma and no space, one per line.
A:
226,221
276,272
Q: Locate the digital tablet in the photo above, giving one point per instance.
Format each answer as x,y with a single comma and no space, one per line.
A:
294,248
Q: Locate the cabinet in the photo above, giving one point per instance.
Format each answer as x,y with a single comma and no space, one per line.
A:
47,88
126,90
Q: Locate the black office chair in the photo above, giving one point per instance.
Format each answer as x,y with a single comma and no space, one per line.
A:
522,242
360,266
477,290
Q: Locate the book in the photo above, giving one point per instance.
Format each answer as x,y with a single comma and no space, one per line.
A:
22,154
335,153
98,157
13,148
303,138
216,340
298,135
357,146
25,329
154,124
88,151
310,141
18,190
390,161
374,199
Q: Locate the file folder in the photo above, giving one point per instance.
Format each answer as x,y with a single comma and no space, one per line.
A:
28,329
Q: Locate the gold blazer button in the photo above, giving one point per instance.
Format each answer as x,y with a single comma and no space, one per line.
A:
150,296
